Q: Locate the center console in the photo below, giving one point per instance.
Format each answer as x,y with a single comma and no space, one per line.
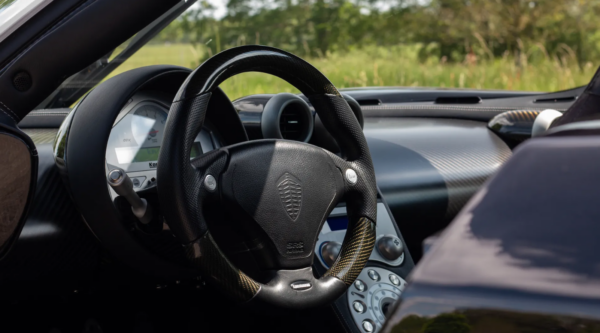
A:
371,298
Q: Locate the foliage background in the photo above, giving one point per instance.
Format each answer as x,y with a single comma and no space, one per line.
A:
543,45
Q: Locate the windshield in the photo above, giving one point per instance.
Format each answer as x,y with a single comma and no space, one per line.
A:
480,44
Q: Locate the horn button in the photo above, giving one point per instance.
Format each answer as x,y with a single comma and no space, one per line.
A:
288,189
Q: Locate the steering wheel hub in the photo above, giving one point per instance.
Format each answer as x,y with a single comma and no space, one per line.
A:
288,189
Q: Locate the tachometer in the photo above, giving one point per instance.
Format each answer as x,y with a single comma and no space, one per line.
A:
147,124
134,143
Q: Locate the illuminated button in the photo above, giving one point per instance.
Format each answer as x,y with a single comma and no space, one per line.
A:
359,285
373,275
358,307
368,326
210,183
394,279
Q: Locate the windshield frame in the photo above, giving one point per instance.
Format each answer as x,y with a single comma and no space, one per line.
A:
16,13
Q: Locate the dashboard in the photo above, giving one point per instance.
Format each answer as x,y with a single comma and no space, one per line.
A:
429,159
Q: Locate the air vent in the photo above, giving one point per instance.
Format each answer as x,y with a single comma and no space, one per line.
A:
287,116
458,100
292,122
556,100
368,102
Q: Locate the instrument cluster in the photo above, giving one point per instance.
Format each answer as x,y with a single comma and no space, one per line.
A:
136,137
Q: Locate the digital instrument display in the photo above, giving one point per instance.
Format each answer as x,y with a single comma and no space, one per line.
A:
136,138
132,154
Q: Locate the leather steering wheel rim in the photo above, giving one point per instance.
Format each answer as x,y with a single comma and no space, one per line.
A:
187,187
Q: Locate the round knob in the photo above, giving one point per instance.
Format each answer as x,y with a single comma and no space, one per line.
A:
330,252
390,247
115,176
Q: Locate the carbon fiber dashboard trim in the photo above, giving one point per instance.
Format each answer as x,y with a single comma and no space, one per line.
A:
465,153
355,252
206,255
406,106
41,135
45,118
478,113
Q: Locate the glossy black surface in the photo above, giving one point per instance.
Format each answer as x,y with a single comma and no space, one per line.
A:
83,164
527,242
256,58
585,107
514,126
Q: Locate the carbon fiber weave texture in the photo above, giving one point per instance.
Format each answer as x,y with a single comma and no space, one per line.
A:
206,255
356,250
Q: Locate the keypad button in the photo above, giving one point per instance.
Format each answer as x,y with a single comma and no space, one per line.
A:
358,306
360,286
373,275
394,279
368,326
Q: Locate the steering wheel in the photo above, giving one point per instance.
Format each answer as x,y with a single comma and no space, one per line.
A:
285,189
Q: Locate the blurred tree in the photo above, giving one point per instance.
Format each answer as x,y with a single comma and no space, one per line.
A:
454,30
447,323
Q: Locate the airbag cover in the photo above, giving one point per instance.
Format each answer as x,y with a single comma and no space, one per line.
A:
287,188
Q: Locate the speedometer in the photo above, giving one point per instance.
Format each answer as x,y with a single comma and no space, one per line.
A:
134,142
142,142
147,124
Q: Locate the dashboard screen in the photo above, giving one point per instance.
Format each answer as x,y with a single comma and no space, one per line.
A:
135,139
134,142
126,155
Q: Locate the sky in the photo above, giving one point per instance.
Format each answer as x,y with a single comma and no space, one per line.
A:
220,6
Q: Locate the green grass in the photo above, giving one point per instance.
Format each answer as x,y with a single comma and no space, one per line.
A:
396,66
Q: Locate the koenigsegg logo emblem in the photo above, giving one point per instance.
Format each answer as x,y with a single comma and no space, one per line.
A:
290,192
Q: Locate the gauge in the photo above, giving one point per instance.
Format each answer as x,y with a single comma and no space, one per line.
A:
134,143
147,125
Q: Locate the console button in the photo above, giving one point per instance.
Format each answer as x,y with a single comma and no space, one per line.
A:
368,326
394,279
373,275
390,247
359,285
358,306
138,181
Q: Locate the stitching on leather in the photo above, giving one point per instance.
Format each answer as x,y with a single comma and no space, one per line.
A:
11,117
47,114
